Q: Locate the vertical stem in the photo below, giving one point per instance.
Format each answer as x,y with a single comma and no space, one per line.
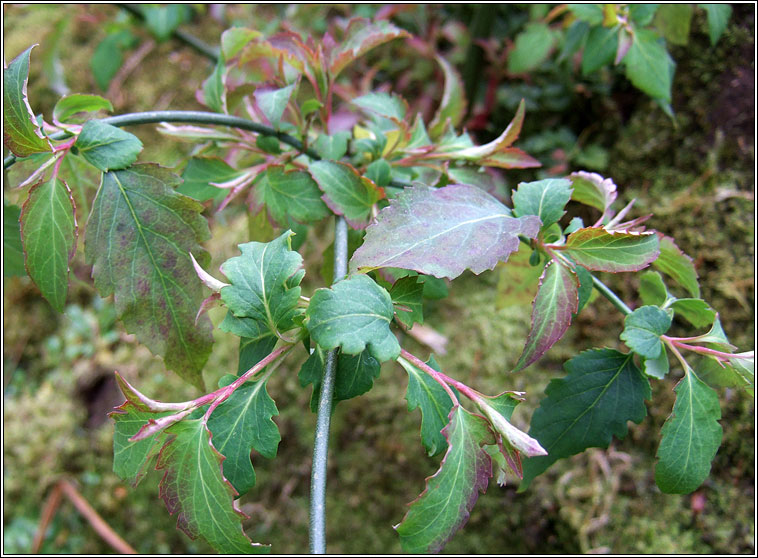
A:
323,418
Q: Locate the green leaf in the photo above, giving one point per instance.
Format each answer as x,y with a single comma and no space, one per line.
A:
380,172
354,314
346,192
556,302
265,283
21,133
649,66
360,37
592,189
162,21
138,239
425,394
108,56
407,294
442,232
677,265
716,336
690,437
643,329
193,486
198,175
452,106
695,311
600,250
214,88
240,423
656,367
289,194
387,105
332,146
531,48
718,18
585,287
355,375
653,291
272,102
13,252
544,198
736,372
673,21
600,49
602,391
256,340
591,13
642,14
107,147
444,506
48,232
70,105
235,39
132,460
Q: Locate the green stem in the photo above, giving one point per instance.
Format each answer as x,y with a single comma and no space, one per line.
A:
611,296
324,414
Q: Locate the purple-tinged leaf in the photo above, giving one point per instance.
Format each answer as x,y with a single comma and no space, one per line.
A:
453,104
509,135
510,158
132,460
138,240
677,265
556,302
598,249
273,101
233,40
592,189
389,106
442,232
48,233
545,198
346,192
21,133
143,402
625,41
445,505
361,36
194,488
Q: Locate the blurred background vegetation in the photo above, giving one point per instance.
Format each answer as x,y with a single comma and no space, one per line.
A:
695,172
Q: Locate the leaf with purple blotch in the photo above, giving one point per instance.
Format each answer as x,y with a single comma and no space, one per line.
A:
556,302
138,240
600,250
445,505
442,232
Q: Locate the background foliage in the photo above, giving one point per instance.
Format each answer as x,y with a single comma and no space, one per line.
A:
695,172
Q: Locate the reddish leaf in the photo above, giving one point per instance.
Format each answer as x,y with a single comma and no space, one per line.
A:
598,249
361,36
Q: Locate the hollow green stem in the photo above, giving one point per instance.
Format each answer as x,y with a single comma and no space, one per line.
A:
324,413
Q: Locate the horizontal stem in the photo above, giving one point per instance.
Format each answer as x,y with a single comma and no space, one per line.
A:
703,350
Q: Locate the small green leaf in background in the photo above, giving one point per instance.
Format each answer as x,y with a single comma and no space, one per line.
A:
241,423
214,87
48,233
109,55
138,239
13,253
70,105
602,391
346,192
545,198
649,65
586,284
673,21
600,49
532,47
677,265
591,13
425,394
442,232
739,372
353,314
695,311
272,102
21,133
107,147
332,147
407,295
387,105
718,18
265,283
198,175
380,172
600,250
234,39
446,503
556,301
162,21
652,289
643,329
642,14
294,194
355,375
689,438
194,488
